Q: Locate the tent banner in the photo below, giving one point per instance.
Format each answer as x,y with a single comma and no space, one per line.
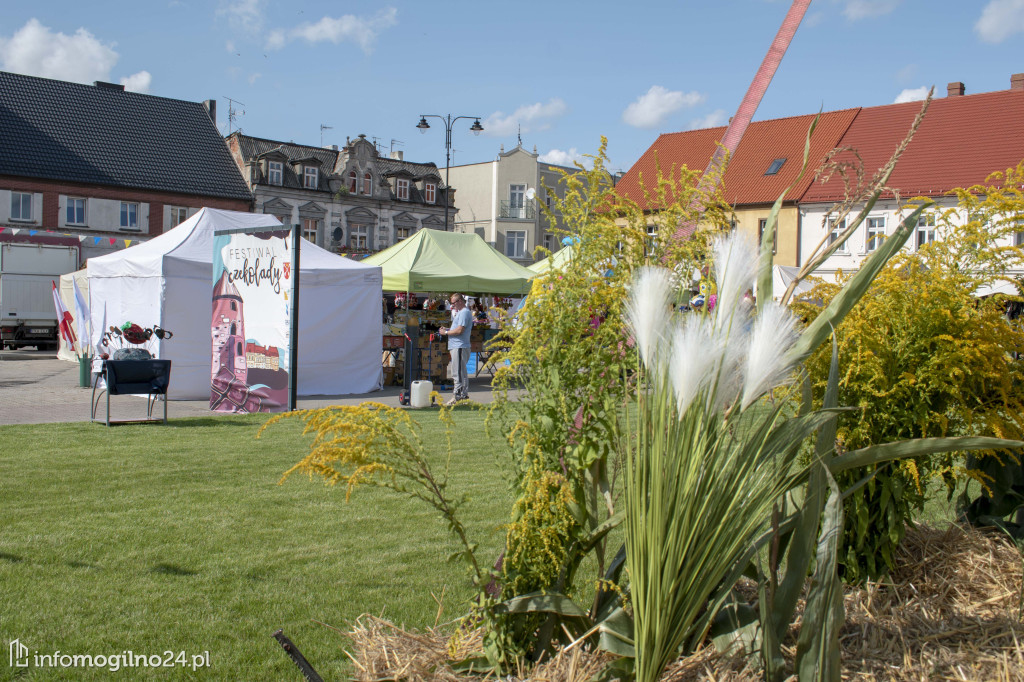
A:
250,327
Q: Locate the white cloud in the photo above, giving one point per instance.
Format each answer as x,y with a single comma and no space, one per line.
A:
528,117
253,77
650,110
562,158
35,50
911,95
245,16
348,28
137,82
1000,19
229,46
865,9
716,118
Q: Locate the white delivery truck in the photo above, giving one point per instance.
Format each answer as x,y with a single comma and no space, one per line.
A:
27,274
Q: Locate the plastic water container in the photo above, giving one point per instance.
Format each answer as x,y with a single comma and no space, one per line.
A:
419,395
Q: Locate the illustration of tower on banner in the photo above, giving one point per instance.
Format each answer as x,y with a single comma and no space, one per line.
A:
228,330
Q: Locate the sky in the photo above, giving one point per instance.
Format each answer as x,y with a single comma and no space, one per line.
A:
557,74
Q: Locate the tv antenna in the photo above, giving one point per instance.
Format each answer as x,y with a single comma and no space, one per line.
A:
233,112
393,143
322,129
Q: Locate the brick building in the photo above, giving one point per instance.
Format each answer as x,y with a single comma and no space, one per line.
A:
105,166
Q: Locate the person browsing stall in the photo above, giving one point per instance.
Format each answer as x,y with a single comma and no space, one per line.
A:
458,345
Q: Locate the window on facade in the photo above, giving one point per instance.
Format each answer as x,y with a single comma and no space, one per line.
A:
179,214
309,229
515,243
517,201
367,184
275,172
925,229
21,206
835,231
876,233
359,237
352,182
762,224
775,166
402,189
129,215
549,242
430,192
402,232
1018,236
309,176
75,211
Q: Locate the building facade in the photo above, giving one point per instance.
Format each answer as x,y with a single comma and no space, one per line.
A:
502,200
105,166
962,139
350,200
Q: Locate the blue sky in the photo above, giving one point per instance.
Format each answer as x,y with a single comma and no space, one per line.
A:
564,73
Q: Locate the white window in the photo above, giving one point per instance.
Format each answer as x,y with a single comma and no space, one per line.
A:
75,211
309,177
515,243
21,206
129,215
836,229
925,229
516,201
179,214
762,224
275,172
352,182
358,237
876,233
403,189
549,242
430,192
309,230
402,232
1018,237
367,184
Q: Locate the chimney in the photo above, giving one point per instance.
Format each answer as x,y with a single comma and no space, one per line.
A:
397,155
955,89
211,108
108,86
1017,81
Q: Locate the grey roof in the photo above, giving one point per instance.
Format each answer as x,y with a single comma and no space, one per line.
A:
105,136
419,170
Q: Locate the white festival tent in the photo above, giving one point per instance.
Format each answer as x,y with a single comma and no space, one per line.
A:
168,281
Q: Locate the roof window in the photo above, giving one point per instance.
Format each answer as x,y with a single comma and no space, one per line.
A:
775,167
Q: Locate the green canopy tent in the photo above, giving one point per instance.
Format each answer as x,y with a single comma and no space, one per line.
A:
431,260
556,261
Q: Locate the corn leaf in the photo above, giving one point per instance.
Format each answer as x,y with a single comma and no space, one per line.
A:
817,653
886,452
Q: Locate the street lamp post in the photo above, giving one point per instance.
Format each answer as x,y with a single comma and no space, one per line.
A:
423,126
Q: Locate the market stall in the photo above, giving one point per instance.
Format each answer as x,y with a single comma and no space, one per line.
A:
421,272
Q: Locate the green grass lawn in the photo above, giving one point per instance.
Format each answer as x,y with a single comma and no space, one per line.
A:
155,538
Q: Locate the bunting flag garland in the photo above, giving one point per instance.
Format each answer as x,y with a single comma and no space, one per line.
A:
64,319
14,231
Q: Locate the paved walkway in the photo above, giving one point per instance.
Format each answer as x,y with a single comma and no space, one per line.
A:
37,388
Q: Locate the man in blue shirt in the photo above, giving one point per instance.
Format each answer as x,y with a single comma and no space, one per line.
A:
458,346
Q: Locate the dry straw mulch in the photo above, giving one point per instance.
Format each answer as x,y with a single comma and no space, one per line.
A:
952,611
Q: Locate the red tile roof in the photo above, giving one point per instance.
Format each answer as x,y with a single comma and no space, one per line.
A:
960,142
745,181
